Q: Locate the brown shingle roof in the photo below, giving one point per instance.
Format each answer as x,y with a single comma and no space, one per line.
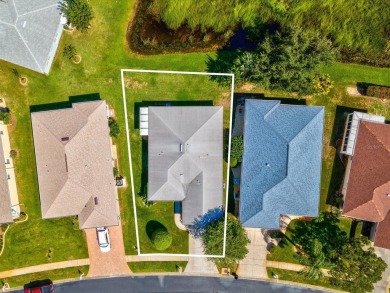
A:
369,179
74,164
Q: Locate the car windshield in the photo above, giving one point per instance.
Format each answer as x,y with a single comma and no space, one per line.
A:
46,289
103,241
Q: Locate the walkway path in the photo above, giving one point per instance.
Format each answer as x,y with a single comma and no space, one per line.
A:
44,267
253,265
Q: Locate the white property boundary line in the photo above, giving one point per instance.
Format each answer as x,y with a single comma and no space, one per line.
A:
131,166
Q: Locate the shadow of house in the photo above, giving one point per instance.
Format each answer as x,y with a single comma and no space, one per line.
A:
65,104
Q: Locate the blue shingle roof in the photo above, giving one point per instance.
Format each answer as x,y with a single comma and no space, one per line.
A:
281,168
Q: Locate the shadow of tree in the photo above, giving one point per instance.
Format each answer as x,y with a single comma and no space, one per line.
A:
152,226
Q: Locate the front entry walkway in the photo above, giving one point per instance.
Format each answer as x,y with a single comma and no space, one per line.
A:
110,263
254,264
199,265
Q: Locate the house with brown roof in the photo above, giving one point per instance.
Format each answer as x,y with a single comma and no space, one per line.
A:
366,186
74,164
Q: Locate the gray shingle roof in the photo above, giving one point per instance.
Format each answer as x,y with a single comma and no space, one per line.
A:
74,164
5,201
30,32
193,176
281,168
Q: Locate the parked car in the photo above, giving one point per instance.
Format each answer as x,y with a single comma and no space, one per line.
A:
41,288
103,239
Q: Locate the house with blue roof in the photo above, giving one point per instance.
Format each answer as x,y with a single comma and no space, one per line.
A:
281,167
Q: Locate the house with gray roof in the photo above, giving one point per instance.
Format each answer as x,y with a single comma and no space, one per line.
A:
74,164
185,162
281,167
5,200
30,32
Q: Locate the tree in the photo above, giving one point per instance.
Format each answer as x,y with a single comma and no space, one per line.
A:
315,263
357,269
69,51
286,60
114,127
236,241
161,239
200,224
237,148
353,267
78,12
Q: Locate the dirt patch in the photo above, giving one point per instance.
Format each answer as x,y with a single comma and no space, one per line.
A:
247,87
12,124
353,91
225,101
134,84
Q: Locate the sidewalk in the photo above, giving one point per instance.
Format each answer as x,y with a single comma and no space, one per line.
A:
44,267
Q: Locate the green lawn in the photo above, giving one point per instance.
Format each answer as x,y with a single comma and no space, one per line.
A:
60,274
293,276
144,89
157,266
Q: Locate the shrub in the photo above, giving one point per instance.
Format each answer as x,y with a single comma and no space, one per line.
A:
382,92
69,51
4,116
237,148
78,12
115,171
13,154
161,239
114,127
233,162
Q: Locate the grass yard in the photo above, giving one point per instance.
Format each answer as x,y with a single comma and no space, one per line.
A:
60,274
157,266
293,276
144,89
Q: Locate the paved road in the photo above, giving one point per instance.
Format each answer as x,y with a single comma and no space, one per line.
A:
159,284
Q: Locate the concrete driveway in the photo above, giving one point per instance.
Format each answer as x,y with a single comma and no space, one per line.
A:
199,265
254,264
384,284
110,263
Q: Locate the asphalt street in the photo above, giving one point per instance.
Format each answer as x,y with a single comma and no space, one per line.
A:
175,284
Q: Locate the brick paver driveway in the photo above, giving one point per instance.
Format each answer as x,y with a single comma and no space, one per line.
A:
107,263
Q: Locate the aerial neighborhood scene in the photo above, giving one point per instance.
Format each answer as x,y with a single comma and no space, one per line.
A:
195,146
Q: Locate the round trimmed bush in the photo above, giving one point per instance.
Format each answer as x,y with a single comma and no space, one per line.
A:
161,239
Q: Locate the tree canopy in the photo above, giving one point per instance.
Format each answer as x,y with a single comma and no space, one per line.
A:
236,241
353,266
287,60
78,12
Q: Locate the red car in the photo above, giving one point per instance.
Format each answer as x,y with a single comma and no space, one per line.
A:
43,288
